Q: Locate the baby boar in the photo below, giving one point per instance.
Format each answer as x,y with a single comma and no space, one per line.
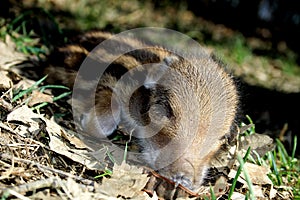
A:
178,106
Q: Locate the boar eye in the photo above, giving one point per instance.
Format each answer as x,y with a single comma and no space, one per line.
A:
160,106
148,105
139,105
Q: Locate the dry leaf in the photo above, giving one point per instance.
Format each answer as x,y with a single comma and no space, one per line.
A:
8,54
44,194
79,144
258,177
257,190
126,181
258,174
273,192
102,147
5,81
39,97
237,196
59,146
258,142
224,158
97,159
73,188
232,174
25,84
30,125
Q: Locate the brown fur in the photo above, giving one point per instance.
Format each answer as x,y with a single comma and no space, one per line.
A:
191,110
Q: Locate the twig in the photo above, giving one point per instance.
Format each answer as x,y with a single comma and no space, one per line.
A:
45,168
16,194
53,182
7,128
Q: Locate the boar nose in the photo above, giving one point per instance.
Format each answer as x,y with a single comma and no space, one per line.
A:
188,174
183,180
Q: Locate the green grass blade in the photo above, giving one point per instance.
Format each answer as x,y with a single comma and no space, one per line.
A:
29,90
247,177
125,151
294,147
212,193
61,96
259,161
238,174
43,88
252,129
106,172
21,94
274,167
282,153
110,156
251,159
39,106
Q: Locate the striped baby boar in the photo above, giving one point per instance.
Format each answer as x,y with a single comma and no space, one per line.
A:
178,106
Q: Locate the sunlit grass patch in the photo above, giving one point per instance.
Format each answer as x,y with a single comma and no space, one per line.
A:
29,31
284,167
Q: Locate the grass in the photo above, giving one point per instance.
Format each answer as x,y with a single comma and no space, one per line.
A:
250,194
29,36
26,40
109,172
285,168
240,169
55,98
236,52
288,65
105,173
18,94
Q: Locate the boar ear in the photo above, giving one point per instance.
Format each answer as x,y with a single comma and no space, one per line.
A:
156,71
